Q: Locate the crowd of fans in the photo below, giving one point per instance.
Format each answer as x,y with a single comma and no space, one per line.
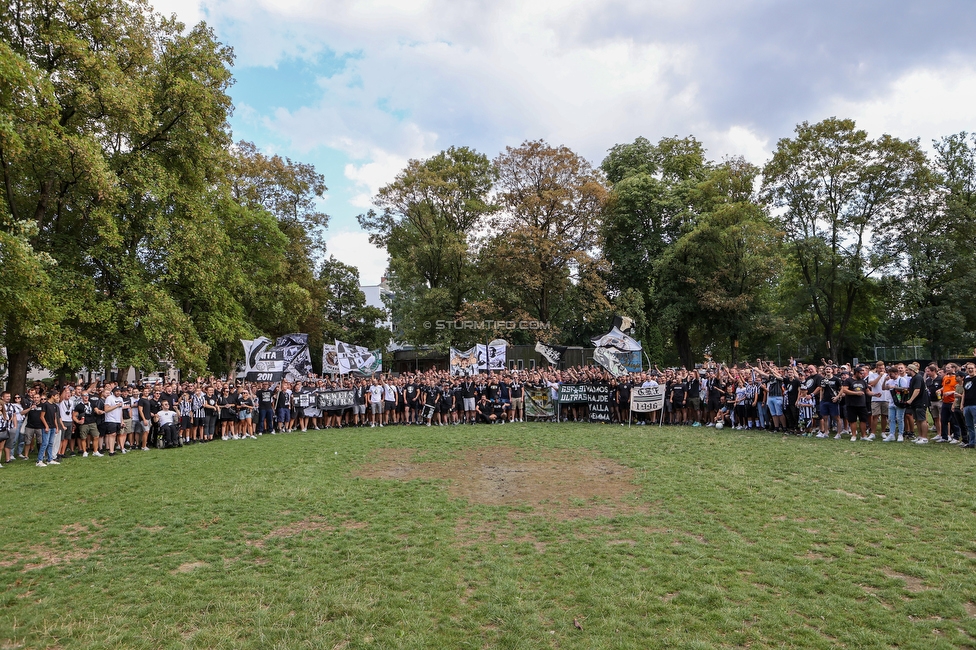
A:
891,403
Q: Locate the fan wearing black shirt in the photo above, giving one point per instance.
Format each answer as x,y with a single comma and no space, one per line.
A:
857,391
827,389
265,397
468,395
486,410
518,401
917,405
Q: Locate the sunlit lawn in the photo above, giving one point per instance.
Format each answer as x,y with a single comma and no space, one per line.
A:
730,539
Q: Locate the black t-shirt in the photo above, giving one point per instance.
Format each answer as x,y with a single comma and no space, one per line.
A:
51,414
716,389
918,383
492,391
829,386
792,391
516,390
678,393
856,398
969,391
623,393
145,405
504,391
264,399
283,401
86,412
34,418
97,403
468,389
694,388
774,387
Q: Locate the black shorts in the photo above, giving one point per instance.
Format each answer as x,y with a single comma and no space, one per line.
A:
858,414
919,413
110,428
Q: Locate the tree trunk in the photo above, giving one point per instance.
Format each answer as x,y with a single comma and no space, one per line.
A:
683,342
17,372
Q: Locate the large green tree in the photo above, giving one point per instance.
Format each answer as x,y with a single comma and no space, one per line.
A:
838,196
935,280
142,234
122,131
430,215
544,248
347,316
722,268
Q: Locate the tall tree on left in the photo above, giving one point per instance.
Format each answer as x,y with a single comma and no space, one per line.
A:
113,135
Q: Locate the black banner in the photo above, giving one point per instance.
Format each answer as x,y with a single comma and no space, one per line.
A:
572,394
334,400
598,402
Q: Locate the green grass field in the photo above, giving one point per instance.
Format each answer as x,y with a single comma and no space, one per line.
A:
720,539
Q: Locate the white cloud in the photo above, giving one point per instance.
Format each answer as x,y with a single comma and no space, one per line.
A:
923,103
188,11
740,141
422,75
354,249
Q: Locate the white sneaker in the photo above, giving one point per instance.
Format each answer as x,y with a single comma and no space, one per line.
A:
838,436
41,463
53,462
124,450
822,435
938,439
97,453
953,441
901,438
145,448
869,438
853,438
922,441
84,454
381,425
888,438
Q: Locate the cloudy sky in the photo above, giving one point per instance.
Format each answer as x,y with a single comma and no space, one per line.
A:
358,88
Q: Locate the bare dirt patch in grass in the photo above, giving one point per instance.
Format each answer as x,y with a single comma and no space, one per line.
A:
970,608
188,567
44,556
560,484
853,495
912,584
304,527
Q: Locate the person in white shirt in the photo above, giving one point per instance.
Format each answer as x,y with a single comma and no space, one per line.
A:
166,417
67,404
113,419
375,404
879,403
389,402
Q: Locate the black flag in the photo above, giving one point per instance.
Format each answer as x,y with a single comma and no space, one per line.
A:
552,353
